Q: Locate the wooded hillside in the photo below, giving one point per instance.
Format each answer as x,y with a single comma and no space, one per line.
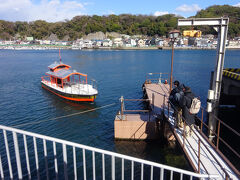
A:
124,24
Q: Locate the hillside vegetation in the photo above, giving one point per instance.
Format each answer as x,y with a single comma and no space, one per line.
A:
124,24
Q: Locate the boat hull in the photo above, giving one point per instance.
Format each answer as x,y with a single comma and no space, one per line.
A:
71,97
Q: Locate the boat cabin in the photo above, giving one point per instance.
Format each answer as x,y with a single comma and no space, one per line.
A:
61,75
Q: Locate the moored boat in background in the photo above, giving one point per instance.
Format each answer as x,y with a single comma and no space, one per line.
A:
68,84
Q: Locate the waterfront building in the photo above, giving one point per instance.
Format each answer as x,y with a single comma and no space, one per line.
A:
87,44
202,42
117,42
97,43
234,43
140,43
45,42
107,43
160,43
29,39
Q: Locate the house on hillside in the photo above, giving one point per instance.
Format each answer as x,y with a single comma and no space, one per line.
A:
160,43
29,39
45,42
107,43
78,44
87,44
234,43
8,42
141,43
130,43
117,42
202,42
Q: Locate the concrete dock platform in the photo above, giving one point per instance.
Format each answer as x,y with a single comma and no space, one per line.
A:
143,126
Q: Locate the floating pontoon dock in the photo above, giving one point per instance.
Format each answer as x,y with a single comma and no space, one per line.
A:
203,156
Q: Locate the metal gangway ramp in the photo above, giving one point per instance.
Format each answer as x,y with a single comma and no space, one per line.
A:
204,156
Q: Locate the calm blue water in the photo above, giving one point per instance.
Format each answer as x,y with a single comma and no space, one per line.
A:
22,99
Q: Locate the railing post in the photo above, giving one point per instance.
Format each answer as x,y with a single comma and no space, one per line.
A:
36,156
45,157
160,78
18,158
199,143
202,121
121,100
64,149
184,131
168,110
8,154
164,101
218,134
153,101
113,168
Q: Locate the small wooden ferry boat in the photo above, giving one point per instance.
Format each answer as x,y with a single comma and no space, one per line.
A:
68,84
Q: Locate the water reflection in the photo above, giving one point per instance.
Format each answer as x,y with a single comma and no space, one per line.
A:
157,151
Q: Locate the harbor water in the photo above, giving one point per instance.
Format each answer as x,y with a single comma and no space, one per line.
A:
118,73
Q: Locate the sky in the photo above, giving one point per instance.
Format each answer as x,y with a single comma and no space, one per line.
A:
61,10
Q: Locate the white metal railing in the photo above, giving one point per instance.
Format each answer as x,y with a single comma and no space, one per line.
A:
157,78
22,152
74,87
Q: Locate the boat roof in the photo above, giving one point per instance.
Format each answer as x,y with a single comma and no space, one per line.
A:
57,64
64,73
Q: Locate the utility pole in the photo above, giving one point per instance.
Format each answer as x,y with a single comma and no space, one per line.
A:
221,26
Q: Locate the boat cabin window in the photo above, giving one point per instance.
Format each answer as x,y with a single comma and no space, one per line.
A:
59,81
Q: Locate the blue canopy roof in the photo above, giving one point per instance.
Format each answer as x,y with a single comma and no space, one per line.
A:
60,74
56,64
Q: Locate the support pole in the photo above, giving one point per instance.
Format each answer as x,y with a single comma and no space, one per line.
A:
121,100
171,66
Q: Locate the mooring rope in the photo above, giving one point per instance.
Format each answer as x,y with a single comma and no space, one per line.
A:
90,110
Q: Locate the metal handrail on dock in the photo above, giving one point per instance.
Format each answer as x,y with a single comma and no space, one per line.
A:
123,110
157,78
199,145
217,133
218,137
216,147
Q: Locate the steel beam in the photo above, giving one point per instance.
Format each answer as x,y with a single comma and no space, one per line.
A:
203,22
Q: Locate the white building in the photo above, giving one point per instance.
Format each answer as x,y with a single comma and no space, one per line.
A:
118,42
107,43
130,43
48,42
234,43
160,43
141,43
61,43
8,42
87,44
77,44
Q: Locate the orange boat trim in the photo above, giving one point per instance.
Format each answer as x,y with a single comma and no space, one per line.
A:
72,99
